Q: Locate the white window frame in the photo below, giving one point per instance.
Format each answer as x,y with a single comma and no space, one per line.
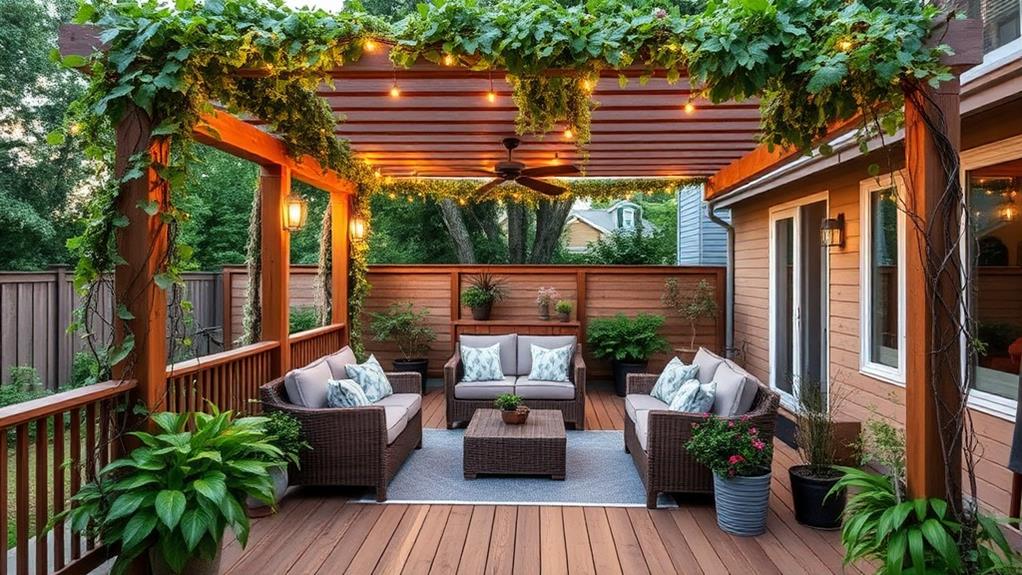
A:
867,188
628,218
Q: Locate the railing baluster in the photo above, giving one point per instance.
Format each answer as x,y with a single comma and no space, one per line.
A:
90,454
4,471
21,499
76,472
41,494
58,488
104,433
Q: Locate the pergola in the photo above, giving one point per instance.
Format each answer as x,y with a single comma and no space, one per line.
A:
440,122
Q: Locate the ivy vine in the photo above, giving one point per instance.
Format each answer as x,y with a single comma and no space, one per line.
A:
462,190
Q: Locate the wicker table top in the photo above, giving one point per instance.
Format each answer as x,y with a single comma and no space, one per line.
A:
542,424
536,447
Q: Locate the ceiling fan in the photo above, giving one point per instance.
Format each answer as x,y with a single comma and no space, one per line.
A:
512,171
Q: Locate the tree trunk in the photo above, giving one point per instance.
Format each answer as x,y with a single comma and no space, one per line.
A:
516,224
550,218
459,233
251,323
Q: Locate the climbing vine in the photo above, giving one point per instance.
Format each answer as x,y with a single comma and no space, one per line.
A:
462,190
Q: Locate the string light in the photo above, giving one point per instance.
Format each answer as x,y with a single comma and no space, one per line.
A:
377,173
568,134
369,45
395,91
690,108
462,201
587,85
844,45
557,159
392,196
448,60
491,95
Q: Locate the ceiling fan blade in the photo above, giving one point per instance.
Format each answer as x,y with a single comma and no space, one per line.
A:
541,186
489,186
545,171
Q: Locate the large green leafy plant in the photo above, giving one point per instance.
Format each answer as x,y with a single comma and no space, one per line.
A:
181,489
626,339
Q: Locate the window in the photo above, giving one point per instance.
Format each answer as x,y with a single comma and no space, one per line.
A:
1000,21
883,280
628,218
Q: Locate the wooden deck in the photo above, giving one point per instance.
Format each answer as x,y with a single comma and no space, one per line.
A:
319,533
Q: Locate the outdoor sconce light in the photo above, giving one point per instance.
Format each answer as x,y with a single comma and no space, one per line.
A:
295,211
832,232
1008,211
357,227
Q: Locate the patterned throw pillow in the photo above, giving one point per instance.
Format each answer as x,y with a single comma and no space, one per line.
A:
371,378
345,393
481,363
550,364
694,397
670,380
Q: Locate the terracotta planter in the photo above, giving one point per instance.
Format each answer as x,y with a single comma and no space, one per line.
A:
513,416
564,315
194,566
482,312
544,311
686,355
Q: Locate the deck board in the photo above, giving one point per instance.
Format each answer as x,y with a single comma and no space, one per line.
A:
318,531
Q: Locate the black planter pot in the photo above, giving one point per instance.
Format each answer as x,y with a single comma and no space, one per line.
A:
621,371
809,495
420,366
482,312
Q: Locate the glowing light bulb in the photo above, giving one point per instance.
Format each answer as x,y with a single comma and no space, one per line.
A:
568,133
491,96
844,45
369,45
587,85
395,92
377,173
462,201
392,196
410,199
448,60
690,108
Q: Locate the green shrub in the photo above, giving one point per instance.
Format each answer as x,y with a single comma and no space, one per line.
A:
484,289
730,447
507,402
285,433
22,385
85,370
405,326
303,319
626,339
563,306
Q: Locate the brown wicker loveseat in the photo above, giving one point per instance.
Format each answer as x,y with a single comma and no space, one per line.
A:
350,445
656,436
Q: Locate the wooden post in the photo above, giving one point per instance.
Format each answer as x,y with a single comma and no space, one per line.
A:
340,209
275,186
143,245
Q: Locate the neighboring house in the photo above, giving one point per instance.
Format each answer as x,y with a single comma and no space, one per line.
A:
805,314
701,241
585,226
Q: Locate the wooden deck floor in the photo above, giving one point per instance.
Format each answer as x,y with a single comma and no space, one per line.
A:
315,532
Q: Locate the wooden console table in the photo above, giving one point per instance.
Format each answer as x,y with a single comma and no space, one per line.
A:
519,326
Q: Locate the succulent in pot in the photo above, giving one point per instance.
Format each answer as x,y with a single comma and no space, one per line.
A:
627,342
816,502
406,327
285,433
563,309
512,410
483,291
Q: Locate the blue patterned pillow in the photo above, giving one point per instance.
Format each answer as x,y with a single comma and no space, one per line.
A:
550,364
481,363
371,378
670,380
694,397
345,393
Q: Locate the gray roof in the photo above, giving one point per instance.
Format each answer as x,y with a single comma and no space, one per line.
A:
606,220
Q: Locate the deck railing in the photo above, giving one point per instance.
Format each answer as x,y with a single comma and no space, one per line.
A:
55,444
229,380
308,346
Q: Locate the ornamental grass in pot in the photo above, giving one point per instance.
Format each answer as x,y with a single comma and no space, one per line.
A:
815,501
627,342
483,291
406,327
740,462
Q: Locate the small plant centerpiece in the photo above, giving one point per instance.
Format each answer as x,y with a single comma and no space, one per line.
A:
512,410
740,461
627,342
483,291
816,505
563,309
174,496
692,307
544,297
284,432
406,326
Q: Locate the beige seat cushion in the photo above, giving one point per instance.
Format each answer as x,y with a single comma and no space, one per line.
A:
549,390
410,402
484,389
306,386
635,402
752,384
642,428
708,363
338,360
733,391
525,343
508,348
397,420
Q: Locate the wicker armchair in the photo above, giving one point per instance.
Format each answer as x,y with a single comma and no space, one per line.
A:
461,410
349,445
665,465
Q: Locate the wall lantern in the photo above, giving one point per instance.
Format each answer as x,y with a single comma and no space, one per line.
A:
1008,211
832,232
295,212
357,227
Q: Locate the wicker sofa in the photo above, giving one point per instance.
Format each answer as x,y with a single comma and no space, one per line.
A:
362,446
464,398
656,436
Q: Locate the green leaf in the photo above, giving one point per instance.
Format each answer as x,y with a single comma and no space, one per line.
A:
170,505
210,488
150,207
163,281
73,61
138,528
125,505
123,313
55,138
826,76
194,524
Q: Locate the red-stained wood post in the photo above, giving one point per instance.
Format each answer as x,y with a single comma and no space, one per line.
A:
143,244
275,187
932,374
340,210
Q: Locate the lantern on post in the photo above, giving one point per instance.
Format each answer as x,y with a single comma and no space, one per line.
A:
295,212
357,227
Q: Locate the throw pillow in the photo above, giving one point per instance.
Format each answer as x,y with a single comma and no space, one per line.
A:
345,393
481,363
371,378
693,397
670,380
550,364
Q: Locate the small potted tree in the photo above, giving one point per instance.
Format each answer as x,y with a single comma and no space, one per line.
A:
483,291
545,297
692,307
812,483
402,324
284,432
740,462
512,410
564,308
627,342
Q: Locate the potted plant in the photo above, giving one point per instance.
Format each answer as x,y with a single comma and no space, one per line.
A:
484,289
564,308
402,324
692,307
816,503
544,298
512,410
627,342
740,462
173,497
284,432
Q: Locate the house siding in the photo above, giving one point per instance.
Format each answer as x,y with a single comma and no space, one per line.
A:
701,241
580,234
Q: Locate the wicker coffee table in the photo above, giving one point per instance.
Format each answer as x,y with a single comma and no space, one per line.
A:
536,447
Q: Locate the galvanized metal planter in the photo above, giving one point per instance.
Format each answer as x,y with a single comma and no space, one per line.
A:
742,503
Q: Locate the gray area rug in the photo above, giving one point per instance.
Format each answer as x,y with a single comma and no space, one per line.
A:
599,472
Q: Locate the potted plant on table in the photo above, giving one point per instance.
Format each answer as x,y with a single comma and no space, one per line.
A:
627,342
816,505
740,461
284,432
512,410
483,291
692,307
544,298
402,324
563,309
173,497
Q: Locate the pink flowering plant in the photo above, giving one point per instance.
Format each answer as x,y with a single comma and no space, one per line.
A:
547,295
730,447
